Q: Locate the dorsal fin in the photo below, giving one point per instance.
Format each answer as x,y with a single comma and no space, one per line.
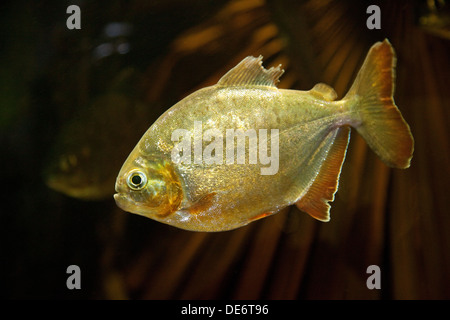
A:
315,201
324,91
250,72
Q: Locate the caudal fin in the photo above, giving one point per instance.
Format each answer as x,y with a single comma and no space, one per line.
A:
379,121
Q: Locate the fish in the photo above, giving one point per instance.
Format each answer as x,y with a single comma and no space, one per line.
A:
193,168
433,17
83,163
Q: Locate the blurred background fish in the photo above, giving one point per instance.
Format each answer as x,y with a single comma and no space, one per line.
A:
89,147
58,85
434,17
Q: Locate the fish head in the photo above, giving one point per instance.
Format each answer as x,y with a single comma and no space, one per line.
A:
148,186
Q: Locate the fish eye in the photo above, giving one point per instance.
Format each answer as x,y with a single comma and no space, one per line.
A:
137,180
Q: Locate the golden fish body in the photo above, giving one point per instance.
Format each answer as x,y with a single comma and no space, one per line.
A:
293,153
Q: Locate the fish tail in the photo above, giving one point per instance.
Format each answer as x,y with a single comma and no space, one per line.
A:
377,118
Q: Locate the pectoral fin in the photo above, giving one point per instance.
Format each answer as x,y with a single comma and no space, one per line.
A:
315,201
202,204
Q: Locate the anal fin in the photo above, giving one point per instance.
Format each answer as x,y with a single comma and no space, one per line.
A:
315,201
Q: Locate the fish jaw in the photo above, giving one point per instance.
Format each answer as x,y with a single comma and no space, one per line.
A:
181,218
124,202
121,201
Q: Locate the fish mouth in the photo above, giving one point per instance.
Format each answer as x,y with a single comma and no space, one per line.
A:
119,197
121,201
124,202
